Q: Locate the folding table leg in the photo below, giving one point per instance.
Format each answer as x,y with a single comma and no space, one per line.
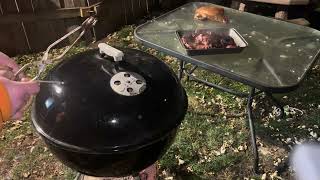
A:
252,132
191,71
181,69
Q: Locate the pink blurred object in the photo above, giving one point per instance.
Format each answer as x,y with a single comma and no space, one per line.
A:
149,173
7,72
7,61
19,91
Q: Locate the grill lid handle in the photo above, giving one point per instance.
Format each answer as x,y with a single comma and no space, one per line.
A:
111,51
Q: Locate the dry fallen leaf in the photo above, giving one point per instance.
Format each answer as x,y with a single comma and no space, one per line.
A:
14,128
223,149
313,134
189,169
180,162
31,149
240,148
19,137
264,176
274,176
26,175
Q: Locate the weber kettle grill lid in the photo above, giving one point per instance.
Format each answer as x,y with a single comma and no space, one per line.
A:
109,104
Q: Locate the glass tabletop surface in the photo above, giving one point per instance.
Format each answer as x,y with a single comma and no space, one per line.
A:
278,55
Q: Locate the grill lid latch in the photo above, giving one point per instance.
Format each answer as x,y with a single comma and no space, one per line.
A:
111,51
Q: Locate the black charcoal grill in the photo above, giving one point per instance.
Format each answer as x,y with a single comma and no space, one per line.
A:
111,113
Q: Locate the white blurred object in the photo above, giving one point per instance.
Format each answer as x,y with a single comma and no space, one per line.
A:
305,161
111,51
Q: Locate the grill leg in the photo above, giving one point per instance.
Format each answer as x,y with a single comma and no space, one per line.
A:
252,132
181,69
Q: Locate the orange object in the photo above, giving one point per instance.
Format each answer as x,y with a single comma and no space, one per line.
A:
211,13
5,105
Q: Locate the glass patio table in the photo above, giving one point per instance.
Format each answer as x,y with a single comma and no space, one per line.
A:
277,59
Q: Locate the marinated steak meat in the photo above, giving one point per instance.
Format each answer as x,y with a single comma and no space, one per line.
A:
207,40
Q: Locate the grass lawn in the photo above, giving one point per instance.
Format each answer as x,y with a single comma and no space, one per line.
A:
212,142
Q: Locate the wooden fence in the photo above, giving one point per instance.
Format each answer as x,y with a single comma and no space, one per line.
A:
31,25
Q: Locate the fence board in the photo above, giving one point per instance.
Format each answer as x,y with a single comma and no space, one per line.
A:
37,35
52,30
109,18
74,3
143,6
79,3
25,6
151,3
124,11
9,6
70,24
68,3
12,38
40,5
1,10
132,10
139,12
91,2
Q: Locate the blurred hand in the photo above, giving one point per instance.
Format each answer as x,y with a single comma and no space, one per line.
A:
7,72
19,93
6,61
8,67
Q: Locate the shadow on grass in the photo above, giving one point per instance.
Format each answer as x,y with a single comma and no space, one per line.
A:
302,117
301,108
277,136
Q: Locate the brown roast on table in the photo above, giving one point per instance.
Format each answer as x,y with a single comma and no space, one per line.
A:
109,116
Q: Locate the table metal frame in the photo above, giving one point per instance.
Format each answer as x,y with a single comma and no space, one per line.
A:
250,96
256,87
